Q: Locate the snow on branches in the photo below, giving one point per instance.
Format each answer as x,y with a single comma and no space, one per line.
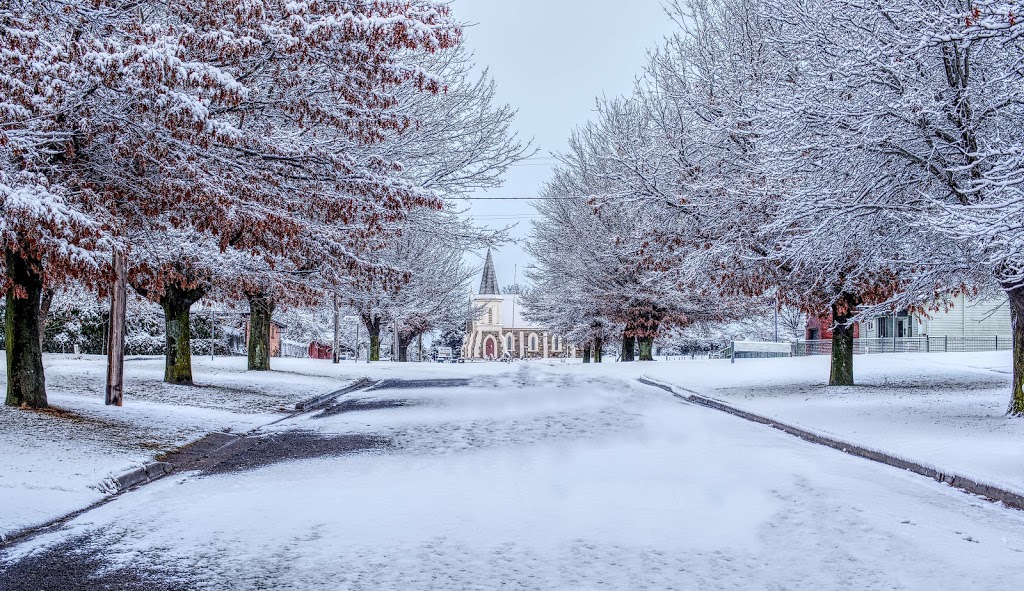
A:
233,148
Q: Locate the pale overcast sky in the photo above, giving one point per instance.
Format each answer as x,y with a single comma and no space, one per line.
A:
551,59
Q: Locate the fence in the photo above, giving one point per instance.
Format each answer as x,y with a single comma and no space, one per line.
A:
294,349
754,350
910,345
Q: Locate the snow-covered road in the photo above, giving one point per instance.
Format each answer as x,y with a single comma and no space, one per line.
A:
538,479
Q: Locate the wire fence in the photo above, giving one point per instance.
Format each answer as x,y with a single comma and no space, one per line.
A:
943,344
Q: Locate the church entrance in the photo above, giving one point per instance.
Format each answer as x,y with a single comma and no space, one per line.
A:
489,348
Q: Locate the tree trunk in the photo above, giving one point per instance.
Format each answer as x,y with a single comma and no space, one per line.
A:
586,353
647,349
261,308
403,347
842,341
1016,297
26,385
628,347
177,305
373,329
598,350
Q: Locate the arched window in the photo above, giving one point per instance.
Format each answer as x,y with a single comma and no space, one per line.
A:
490,316
533,342
508,343
556,343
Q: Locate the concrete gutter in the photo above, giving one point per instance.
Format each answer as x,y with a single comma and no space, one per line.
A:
323,399
990,492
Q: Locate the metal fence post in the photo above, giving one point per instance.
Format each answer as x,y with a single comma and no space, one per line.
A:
733,353
997,342
945,344
927,344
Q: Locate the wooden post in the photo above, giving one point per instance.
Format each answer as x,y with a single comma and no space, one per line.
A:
115,336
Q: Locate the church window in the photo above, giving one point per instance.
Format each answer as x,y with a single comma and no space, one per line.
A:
508,342
533,342
490,316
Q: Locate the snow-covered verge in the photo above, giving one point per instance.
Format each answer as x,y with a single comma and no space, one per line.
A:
945,410
58,461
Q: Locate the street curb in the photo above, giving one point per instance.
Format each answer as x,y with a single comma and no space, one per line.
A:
992,493
322,400
142,475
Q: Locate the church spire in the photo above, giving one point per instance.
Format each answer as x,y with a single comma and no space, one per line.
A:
489,281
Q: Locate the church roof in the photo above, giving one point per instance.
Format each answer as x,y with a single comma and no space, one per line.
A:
489,281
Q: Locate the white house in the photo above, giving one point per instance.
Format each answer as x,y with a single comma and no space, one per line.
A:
966,317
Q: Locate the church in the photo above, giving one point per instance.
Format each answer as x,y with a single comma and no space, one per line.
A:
500,331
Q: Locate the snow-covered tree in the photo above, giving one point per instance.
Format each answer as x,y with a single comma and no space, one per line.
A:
922,103
238,121
432,288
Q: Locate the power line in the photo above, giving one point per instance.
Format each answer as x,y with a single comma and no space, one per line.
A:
515,198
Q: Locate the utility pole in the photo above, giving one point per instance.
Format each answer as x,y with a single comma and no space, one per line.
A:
357,343
115,336
394,347
334,351
420,353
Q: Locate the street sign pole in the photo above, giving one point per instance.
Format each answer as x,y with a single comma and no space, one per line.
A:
394,348
334,351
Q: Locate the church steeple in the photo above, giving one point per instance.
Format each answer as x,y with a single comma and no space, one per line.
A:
489,281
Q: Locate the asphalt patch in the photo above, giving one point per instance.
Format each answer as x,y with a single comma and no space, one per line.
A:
264,451
361,404
75,565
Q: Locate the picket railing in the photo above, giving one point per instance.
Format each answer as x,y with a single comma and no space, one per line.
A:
944,344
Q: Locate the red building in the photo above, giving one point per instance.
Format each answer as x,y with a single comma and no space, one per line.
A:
821,328
275,335
319,350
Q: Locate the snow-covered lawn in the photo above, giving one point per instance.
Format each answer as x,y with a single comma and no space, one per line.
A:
56,462
941,409
545,477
